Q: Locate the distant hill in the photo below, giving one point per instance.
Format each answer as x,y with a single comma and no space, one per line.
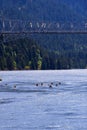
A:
45,10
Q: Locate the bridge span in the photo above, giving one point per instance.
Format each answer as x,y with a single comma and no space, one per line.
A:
43,32
10,28
16,26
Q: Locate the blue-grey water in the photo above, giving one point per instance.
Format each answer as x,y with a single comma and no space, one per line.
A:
26,104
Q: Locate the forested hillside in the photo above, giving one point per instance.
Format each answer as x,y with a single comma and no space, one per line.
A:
44,51
26,54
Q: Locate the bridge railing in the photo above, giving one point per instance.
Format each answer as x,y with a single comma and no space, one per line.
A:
10,26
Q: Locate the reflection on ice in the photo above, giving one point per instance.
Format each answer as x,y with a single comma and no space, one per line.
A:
6,100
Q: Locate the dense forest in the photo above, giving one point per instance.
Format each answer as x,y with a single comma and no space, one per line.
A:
25,53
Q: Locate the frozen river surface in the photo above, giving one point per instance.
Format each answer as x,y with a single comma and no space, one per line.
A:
26,104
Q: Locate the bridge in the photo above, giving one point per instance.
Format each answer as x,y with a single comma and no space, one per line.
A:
13,26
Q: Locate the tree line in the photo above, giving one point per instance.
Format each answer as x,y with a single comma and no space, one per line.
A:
26,54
